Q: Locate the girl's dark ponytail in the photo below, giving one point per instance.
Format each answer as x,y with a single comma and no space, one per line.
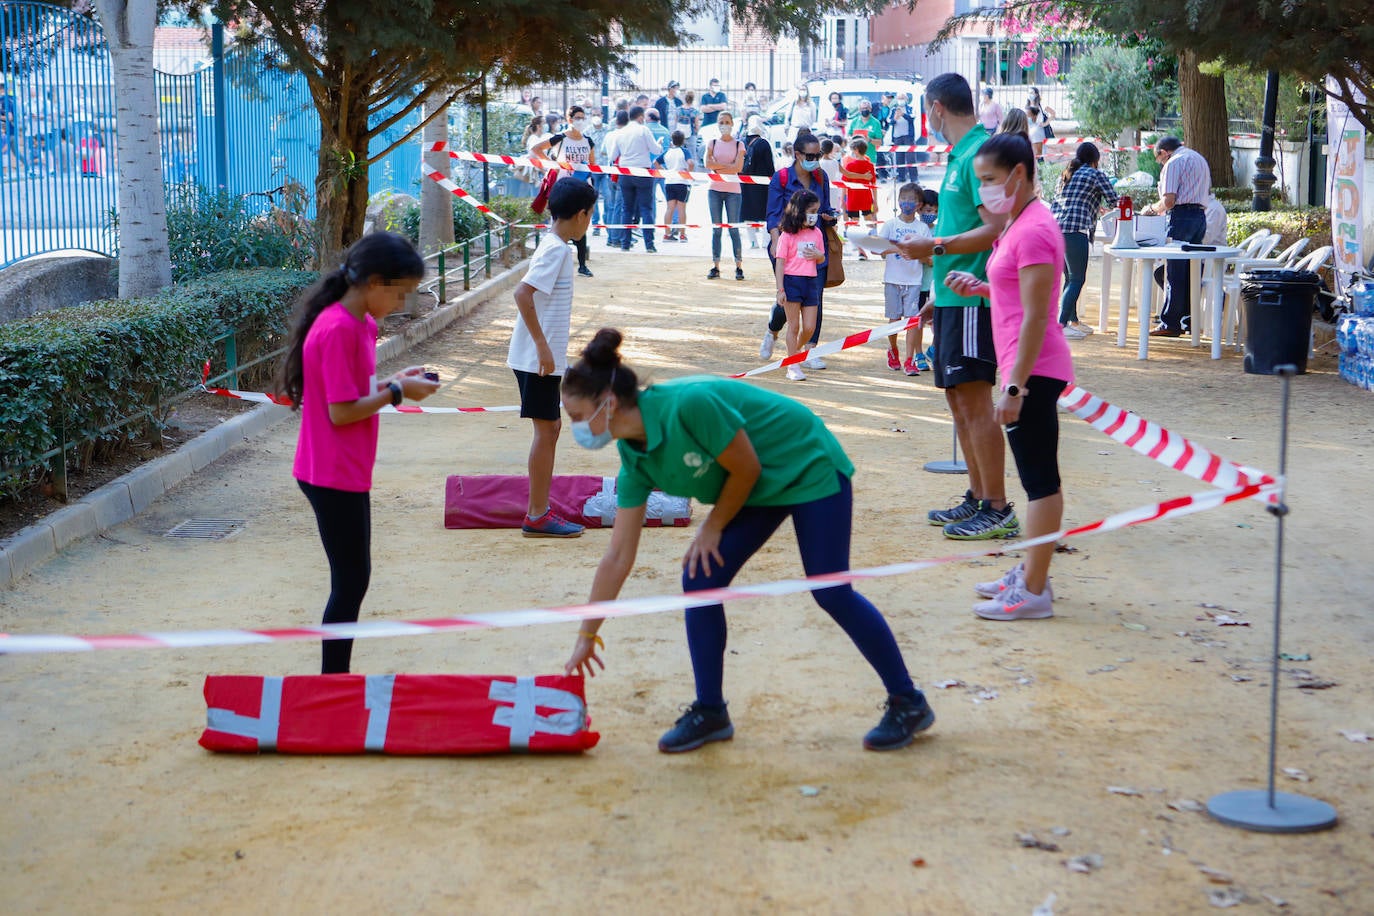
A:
1087,154
381,255
601,368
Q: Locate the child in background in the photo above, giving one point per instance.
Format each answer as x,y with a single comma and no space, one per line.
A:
830,162
539,347
676,189
858,171
930,212
801,247
330,375
902,277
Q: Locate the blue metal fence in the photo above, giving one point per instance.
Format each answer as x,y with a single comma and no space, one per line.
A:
243,123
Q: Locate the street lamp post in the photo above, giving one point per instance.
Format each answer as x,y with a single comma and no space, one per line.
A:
1264,162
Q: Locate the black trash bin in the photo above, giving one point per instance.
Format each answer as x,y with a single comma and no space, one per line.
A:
1278,318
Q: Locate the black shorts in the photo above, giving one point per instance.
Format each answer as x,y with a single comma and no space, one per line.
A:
676,192
1034,437
539,395
963,345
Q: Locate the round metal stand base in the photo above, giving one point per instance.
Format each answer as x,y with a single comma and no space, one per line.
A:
1249,809
946,467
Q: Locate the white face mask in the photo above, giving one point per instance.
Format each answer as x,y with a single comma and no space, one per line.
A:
579,124
997,199
811,218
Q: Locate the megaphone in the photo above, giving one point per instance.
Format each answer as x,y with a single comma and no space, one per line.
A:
1125,223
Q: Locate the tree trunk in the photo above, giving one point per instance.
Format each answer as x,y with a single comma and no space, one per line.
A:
145,264
341,185
1205,121
436,204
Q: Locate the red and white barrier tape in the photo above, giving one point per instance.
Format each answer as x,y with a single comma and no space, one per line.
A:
625,607
447,184
834,346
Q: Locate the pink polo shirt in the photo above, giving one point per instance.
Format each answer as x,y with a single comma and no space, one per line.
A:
1032,238
789,251
340,365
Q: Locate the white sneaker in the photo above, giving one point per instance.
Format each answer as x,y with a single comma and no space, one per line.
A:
794,374
993,589
814,362
1017,603
1087,329
1073,333
766,347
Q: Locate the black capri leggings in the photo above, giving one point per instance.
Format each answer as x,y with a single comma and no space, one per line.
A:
1034,437
345,522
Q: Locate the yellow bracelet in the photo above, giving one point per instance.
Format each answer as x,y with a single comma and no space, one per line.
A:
601,643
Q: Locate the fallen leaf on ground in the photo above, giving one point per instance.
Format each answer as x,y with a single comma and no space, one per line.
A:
1103,670
1304,657
1241,678
1060,831
1124,790
1225,897
918,862
1046,908
1084,864
1276,901
1318,685
1216,876
945,685
1185,804
1139,627
1031,841
1358,737
1295,773
1226,620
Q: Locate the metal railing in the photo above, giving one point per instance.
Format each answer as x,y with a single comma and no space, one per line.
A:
469,258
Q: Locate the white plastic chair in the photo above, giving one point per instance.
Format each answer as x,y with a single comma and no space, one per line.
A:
1316,262
1290,254
1254,250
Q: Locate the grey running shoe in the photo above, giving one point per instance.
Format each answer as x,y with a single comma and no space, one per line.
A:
986,524
960,513
1017,603
992,589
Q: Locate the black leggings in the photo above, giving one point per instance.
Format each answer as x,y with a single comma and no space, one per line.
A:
345,522
581,244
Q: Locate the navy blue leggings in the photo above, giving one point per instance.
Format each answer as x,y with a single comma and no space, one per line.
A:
822,528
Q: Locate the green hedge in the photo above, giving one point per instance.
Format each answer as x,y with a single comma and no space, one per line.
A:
1291,224
77,370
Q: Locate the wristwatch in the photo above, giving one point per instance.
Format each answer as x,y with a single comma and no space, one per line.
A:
1016,391
939,248
395,393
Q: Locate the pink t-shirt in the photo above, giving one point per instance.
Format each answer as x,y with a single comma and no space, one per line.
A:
340,364
1032,238
790,245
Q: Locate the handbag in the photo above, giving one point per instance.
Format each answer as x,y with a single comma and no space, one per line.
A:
834,252
541,199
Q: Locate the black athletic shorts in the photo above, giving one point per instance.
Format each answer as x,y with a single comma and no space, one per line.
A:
1034,437
539,395
963,345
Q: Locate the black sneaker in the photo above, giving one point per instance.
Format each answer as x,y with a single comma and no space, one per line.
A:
960,513
584,272
713,273
903,717
986,524
699,725
739,273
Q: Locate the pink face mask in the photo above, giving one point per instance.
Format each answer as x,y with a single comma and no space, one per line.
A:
997,199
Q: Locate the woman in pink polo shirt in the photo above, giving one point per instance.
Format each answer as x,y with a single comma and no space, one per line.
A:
330,375
1032,358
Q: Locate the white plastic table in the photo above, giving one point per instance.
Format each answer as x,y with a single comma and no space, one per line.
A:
1208,267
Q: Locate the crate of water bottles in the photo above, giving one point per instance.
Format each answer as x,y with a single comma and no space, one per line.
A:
1355,337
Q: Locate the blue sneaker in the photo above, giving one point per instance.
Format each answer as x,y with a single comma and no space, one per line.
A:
922,363
549,525
698,725
903,717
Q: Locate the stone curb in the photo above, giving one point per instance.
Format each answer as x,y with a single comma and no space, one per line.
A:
120,500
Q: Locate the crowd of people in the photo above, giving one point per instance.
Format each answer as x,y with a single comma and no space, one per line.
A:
42,136
981,261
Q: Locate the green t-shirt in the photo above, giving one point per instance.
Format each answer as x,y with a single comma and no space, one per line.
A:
689,421
959,213
875,134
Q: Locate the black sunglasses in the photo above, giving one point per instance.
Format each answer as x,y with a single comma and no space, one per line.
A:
811,157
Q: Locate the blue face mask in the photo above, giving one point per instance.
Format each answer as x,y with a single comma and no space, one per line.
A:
908,206
929,218
582,431
810,165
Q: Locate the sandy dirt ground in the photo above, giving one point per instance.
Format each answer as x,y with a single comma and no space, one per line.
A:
109,805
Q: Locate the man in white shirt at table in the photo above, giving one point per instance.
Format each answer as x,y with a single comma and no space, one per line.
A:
1184,186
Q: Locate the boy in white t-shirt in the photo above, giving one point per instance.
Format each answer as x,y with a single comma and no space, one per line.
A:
902,277
539,347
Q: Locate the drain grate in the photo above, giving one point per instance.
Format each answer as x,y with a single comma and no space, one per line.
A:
210,529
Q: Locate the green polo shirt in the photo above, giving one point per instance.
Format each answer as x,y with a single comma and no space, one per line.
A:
959,213
689,421
875,134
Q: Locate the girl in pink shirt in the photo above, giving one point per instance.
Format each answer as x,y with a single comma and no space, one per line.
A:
330,375
800,249
1032,358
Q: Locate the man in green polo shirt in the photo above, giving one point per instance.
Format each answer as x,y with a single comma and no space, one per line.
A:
965,364
865,125
758,458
